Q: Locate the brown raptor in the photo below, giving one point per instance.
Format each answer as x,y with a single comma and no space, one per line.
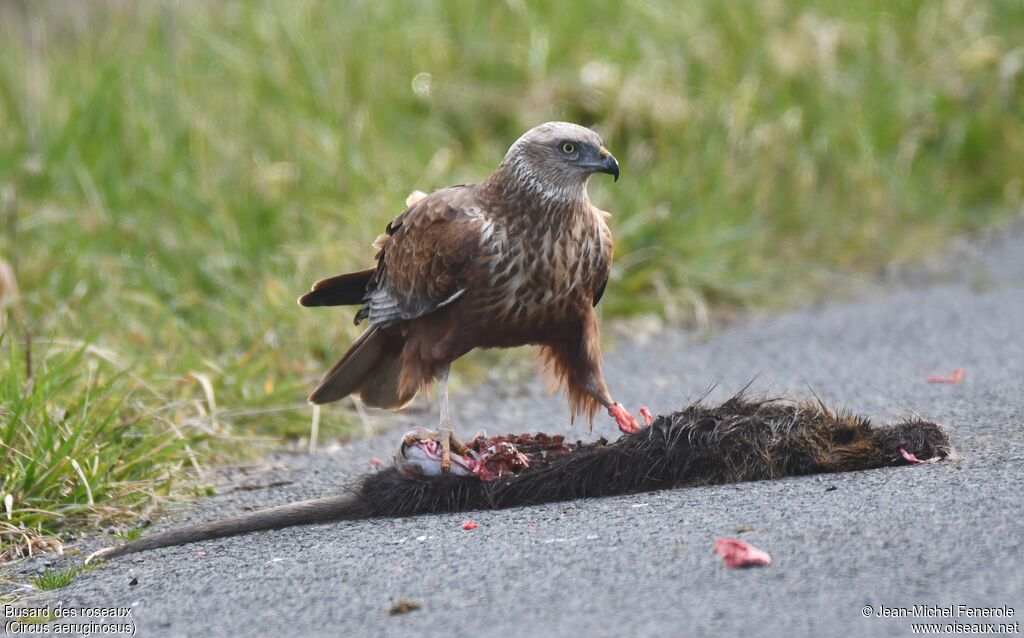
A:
519,258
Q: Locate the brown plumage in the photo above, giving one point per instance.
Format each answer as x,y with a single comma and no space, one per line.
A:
519,258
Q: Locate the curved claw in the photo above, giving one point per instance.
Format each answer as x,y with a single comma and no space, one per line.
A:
623,418
646,414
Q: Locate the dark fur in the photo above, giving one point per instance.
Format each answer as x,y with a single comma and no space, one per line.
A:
740,440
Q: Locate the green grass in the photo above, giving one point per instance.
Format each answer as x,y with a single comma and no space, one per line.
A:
176,173
78,440
58,579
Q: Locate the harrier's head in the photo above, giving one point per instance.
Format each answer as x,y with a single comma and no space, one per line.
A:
557,158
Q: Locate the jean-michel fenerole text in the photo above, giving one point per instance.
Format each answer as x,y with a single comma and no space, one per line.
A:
944,611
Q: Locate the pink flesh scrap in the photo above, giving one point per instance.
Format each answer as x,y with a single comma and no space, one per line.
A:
737,554
908,457
956,377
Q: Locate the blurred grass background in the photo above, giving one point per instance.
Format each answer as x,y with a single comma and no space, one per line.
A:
174,174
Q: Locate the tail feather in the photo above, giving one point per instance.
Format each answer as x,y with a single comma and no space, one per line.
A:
382,388
348,373
342,290
371,368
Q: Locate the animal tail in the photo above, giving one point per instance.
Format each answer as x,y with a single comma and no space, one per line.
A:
323,510
371,368
342,290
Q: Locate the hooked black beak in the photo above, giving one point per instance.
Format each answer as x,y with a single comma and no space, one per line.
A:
608,163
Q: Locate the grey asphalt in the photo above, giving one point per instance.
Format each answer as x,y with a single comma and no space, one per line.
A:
938,534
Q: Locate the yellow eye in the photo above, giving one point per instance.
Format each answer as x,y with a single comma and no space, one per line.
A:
568,147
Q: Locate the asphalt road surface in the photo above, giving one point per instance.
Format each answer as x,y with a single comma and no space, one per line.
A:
938,535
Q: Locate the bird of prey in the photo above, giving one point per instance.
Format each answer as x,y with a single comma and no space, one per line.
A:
520,258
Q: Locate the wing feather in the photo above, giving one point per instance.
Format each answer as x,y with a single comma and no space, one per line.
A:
425,257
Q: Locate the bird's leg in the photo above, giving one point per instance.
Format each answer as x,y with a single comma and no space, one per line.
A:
627,422
446,430
582,354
